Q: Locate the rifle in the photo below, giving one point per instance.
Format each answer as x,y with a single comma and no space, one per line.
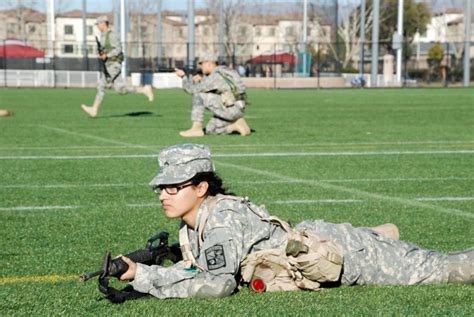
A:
101,51
152,254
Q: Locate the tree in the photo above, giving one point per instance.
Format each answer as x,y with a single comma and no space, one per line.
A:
416,17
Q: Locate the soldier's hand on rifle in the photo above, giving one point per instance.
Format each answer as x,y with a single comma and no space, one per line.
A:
197,78
103,56
179,72
132,270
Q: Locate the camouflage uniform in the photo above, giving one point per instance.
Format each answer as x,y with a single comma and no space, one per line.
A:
235,228
207,95
111,44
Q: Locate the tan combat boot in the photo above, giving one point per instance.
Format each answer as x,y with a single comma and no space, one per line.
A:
239,126
195,131
388,230
5,113
91,111
461,267
147,90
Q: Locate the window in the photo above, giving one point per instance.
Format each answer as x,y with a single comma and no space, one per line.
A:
289,31
90,30
205,31
242,30
258,31
68,49
68,30
11,28
271,31
31,28
143,30
180,32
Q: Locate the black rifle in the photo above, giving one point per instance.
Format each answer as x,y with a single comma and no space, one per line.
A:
101,51
152,254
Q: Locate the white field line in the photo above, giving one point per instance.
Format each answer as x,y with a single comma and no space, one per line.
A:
28,208
262,182
317,201
249,145
353,191
278,202
445,198
239,155
93,137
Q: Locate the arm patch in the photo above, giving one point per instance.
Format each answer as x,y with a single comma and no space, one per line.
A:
215,257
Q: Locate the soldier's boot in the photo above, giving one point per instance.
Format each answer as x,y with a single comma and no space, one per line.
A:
147,90
195,131
5,113
91,111
461,267
388,230
239,126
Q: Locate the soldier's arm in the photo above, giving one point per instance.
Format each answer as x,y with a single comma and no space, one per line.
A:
211,83
220,259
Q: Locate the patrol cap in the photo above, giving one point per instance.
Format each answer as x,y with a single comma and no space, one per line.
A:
101,19
181,162
208,57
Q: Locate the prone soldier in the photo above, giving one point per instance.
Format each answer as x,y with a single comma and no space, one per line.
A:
111,56
227,240
221,91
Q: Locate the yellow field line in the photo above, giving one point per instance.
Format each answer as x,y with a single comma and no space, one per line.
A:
37,279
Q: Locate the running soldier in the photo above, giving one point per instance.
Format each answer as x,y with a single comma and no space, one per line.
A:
110,53
221,91
227,241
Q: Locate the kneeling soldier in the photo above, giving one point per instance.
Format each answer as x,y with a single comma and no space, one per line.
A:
221,91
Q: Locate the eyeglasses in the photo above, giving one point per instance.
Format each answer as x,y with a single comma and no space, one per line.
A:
170,190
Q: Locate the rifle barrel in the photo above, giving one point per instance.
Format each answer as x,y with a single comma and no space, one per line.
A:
88,276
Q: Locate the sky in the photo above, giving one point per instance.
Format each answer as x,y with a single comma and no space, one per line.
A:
107,5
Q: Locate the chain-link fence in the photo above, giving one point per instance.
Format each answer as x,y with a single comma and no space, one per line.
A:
424,64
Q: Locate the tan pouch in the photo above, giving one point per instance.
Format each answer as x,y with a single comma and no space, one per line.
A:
228,98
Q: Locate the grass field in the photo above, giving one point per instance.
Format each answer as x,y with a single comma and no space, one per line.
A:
72,187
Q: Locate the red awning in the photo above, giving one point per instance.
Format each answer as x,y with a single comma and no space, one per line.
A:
282,58
16,49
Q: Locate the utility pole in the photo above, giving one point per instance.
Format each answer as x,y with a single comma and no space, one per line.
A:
375,43
159,33
305,38
467,43
221,32
84,35
400,39
123,38
362,37
191,35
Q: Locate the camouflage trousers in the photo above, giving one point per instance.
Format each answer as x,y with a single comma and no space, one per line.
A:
222,116
119,85
370,258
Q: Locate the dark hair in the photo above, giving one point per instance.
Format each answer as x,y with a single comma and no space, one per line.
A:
216,185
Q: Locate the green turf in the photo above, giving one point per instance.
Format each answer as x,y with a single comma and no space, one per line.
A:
420,144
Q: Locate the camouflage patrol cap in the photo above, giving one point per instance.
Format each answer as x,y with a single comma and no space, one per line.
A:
208,57
101,19
181,162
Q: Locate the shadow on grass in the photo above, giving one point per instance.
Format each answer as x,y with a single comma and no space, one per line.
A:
137,114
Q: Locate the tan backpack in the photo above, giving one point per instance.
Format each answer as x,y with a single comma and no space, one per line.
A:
307,261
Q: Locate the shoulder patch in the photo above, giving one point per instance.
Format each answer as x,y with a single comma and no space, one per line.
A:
215,257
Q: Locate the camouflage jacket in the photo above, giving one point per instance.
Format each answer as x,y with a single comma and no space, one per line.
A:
221,79
234,228
111,44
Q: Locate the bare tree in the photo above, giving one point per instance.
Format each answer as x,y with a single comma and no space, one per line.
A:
347,32
234,11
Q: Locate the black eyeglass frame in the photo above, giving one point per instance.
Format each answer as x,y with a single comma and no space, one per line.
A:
158,189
